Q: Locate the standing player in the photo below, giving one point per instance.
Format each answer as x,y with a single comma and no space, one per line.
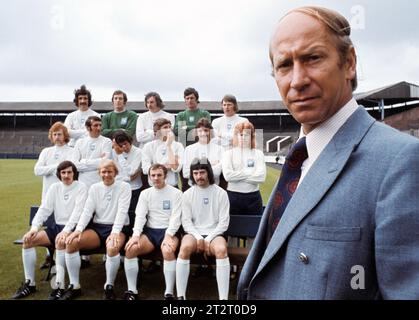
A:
75,121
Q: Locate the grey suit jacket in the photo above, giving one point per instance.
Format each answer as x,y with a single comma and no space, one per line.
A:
351,230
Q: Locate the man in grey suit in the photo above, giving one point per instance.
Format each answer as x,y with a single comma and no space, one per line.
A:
351,227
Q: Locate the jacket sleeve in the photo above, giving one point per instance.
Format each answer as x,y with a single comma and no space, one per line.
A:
397,225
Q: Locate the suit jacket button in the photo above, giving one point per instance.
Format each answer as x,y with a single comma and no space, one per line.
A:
303,258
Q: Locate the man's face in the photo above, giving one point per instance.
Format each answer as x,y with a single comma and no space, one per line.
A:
58,137
312,81
191,102
94,129
204,134
152,104
125,146
164,131
201,177
108,175
157,178
245,138
83,102
228,109
67,176
118,102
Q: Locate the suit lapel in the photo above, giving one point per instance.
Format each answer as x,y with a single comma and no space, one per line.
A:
322,175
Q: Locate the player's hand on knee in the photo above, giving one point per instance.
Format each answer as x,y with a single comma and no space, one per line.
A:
29,236
113,240
135,240
74,236
61,239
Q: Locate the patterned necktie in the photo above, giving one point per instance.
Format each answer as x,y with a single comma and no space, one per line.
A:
287,184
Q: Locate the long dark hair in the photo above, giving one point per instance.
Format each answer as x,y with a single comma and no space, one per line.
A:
202,163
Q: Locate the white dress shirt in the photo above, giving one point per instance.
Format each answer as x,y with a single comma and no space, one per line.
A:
319,137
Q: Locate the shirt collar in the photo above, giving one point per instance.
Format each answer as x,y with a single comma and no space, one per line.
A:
320,136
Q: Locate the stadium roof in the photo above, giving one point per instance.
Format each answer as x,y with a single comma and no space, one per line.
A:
393,94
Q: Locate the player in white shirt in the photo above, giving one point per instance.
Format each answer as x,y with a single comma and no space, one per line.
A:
157,219
224,126
145,121
205,218
50,157
128,160
91,151
203,148
75,121
109,201
244,169
164,150
65,199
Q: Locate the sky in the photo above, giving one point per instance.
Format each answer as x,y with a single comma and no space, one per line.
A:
49,48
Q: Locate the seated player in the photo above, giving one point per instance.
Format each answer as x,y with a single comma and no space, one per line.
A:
205,218
65,199
157,219
109,201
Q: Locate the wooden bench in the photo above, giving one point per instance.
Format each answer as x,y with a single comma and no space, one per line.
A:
241,226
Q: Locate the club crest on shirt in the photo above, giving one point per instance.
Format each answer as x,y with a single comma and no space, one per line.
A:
82,121
56,156
250,163
191,118
229,126
166,204
66,196
163,152
108,197
206,201
124,121
92,146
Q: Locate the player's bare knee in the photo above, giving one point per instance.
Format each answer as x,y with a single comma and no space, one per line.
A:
131,253
59,245
27,245
72,247
112,252
220,252
168,254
